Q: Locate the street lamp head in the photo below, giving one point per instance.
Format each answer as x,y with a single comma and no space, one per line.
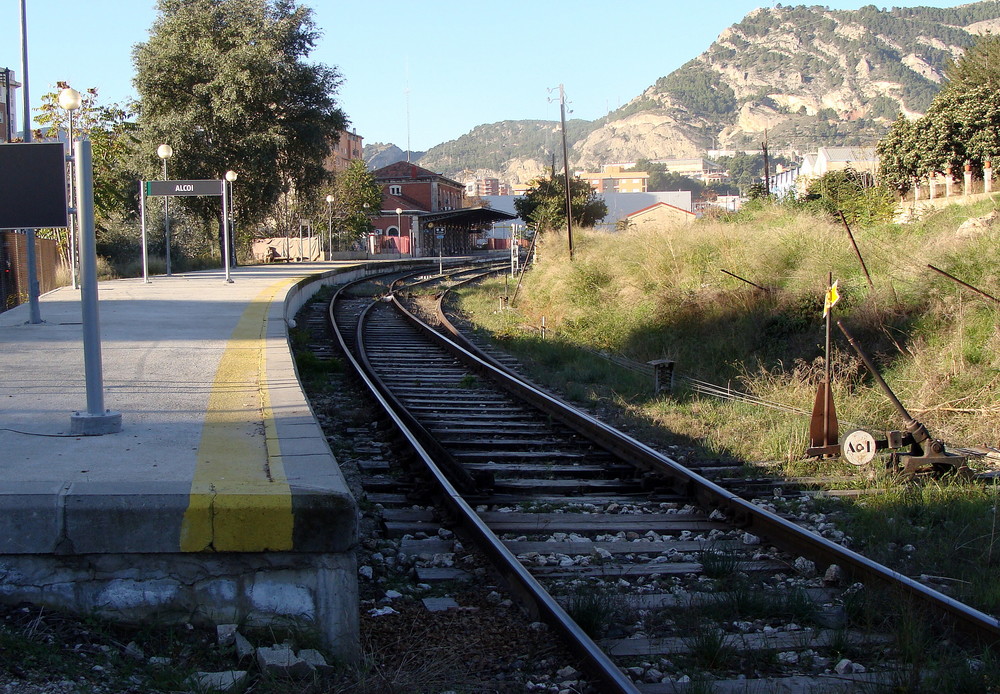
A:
69,99
399,210
164,151
231,176
329,199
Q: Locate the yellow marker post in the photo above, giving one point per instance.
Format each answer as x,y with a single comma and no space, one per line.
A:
240,500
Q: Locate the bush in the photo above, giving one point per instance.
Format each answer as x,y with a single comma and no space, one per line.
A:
856,194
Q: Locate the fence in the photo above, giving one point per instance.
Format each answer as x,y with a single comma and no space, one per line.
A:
14,267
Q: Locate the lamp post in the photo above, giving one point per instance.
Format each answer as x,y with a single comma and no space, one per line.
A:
370,241
164,152
399,223
438,236
231,177
69,100
329,222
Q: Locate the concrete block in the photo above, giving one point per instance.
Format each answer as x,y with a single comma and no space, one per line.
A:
115,518
281,661
440,604
282,593
325,521
244,649
31,517
225,634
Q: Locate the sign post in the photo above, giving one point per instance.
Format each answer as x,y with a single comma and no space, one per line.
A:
190,189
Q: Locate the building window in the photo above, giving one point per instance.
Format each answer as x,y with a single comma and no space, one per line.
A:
395,190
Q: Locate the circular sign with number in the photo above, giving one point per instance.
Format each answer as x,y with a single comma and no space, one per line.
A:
858,447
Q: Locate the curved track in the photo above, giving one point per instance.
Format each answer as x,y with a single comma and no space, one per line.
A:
579,517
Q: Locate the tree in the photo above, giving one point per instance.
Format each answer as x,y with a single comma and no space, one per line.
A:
357,196
661,178
962,123
224,82
855,194
979,65
112,138
545,203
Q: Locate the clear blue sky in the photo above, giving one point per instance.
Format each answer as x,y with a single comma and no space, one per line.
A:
423,72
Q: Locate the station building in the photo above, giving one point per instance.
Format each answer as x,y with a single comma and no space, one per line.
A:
424,213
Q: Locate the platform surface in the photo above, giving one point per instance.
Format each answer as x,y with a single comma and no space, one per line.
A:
218,449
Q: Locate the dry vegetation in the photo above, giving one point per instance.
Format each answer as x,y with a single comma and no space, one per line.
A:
663,294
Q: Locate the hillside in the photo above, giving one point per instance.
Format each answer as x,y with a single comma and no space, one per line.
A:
809,76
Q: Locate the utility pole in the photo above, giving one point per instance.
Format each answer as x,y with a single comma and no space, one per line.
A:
569,204
767,165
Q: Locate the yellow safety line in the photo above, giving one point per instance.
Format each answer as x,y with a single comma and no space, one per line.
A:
240,500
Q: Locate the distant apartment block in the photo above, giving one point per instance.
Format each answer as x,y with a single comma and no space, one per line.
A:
8,90
615,178
350,146
479,187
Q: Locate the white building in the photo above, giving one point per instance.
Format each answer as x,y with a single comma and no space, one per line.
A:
8,113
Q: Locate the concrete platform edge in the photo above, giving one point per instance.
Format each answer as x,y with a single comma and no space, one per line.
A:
63,544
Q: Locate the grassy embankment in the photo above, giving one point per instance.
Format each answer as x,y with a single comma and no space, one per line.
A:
652,295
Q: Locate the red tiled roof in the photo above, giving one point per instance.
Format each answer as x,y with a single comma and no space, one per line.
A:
407,171
403,169
659,204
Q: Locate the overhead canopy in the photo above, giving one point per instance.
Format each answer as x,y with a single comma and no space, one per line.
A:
470,217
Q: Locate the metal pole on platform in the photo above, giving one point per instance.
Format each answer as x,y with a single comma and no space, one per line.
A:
164,152
142,224
35,313
70,100
225,229
97,420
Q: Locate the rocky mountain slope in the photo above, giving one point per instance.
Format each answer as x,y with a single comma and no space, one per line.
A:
808,76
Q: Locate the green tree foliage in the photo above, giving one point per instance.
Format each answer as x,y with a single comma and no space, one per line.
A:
357,196
746,169
661,178
112,136
490,146
962,124
225,83
700,90
979,65
853,193
544,205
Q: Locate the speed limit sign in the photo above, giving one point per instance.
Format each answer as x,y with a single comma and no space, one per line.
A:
858,447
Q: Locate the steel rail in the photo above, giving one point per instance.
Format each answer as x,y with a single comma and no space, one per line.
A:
519,579
984,628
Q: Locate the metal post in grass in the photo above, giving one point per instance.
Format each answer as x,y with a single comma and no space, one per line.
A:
857,252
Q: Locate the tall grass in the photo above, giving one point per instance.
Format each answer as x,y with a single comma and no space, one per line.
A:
662,293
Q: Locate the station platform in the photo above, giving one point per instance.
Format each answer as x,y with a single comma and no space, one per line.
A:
219,500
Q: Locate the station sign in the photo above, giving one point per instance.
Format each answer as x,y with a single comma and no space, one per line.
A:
183,188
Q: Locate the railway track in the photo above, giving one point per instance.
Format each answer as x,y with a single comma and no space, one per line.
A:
663,580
